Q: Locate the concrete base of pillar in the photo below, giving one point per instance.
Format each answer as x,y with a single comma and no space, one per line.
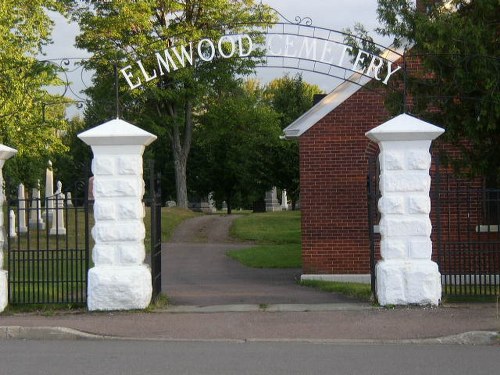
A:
404,282
3,290
119,288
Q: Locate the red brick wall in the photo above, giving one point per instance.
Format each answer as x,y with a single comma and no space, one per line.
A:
333,169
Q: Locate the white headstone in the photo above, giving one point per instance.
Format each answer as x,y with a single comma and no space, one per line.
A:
272,203
284,200
36,221
21,198
49,190
58,227
12,224
69,200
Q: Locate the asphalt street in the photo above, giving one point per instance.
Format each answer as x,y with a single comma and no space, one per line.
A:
56,357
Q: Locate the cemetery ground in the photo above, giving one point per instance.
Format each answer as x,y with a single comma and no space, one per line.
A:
274,239
320,323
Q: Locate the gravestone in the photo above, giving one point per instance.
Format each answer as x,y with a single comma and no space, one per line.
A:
36,220
272,203
69,200
21,198
58,199
284,200
49,190
12,224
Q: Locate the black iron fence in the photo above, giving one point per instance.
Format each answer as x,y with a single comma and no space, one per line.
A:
466,238
48,243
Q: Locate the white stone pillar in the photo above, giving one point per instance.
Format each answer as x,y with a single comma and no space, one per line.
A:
119,280
5,153
406,274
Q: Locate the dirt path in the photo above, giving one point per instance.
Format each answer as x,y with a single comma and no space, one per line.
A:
205,229
197,271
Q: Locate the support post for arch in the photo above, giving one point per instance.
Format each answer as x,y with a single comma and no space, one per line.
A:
5,153
406,274
119,280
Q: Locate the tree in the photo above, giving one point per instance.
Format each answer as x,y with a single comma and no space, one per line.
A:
234,147
290,97
31,119
457,44
122,31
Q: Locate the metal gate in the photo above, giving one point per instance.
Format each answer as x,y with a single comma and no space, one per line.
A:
153,200
373,194
48,242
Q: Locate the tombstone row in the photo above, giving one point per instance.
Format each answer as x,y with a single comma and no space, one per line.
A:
32,217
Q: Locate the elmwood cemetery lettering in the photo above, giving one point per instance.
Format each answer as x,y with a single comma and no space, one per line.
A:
276,46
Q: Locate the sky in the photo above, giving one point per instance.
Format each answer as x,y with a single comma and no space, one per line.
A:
330,14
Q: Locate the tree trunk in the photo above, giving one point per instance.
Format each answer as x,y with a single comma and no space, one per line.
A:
180,183
181,150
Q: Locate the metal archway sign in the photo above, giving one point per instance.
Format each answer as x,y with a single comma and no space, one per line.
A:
285,44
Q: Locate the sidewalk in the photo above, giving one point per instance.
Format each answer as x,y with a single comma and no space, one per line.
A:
315,323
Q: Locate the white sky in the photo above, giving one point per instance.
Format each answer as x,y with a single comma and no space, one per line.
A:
331,14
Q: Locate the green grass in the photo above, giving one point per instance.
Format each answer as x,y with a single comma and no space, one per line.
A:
270,256
281,227
358,290
277,237
470,293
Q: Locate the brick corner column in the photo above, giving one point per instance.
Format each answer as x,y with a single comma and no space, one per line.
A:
406,274
5,154
119,279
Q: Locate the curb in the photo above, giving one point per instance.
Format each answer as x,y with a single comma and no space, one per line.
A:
62,333
45,333
177,309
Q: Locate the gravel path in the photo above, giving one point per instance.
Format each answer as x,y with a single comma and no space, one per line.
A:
197,271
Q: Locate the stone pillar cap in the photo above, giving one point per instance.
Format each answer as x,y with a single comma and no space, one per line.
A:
6,152
116,132
404,128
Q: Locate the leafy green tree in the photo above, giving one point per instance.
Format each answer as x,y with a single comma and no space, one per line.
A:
233,151
31,119
457,43
290,97
122,32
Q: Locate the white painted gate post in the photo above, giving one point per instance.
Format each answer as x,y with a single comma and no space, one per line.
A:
5,153
119,280
406,274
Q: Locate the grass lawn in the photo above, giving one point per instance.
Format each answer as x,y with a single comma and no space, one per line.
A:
359,290
277,238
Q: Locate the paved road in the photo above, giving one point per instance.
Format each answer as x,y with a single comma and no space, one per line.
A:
146,357
196,271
